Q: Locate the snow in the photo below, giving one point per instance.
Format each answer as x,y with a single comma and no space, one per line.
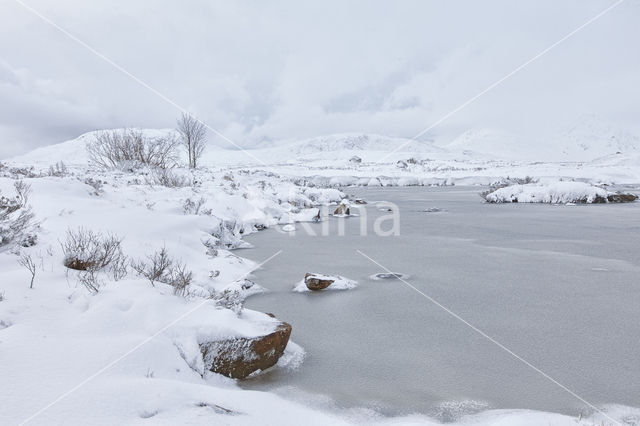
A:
132,349
289,227
339,283
555,193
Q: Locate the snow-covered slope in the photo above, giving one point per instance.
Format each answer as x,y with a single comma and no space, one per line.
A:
340,147
359,142
73,152
489,143
591,137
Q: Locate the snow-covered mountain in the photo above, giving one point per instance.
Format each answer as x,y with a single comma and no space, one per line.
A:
592,137
589,138
359,142
489,143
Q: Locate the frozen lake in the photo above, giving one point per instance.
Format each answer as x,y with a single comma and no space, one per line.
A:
557,285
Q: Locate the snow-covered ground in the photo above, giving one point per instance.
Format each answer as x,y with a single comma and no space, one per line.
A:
129,354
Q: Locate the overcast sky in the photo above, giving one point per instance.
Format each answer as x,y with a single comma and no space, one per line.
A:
263,71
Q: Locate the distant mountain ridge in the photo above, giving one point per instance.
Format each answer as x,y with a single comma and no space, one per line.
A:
591,138
587,140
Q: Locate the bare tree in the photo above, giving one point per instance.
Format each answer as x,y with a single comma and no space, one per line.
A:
194,137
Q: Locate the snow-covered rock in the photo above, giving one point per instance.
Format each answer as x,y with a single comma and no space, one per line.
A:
240,356
316,282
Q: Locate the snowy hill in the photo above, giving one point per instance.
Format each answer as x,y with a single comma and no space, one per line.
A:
338,147
489,143
592,137
72,152
359,142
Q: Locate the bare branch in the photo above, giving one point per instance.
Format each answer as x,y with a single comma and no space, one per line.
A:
26,261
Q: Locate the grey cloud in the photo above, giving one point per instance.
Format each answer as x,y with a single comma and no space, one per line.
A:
262,71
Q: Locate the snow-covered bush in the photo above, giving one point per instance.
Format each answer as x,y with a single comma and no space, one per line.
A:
58,170
96,184
131,148
90,252
230,299
17,217
194,206
228,235
160,267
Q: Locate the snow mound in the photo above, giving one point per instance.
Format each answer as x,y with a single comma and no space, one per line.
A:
554,193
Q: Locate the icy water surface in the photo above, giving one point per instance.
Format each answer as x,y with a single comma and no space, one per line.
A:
557,285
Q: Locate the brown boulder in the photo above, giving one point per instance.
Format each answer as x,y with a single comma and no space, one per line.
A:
239,357
342,209
621,198
317,282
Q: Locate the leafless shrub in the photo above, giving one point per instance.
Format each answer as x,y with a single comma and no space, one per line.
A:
59,170
166,177
525,180
180,278
1,296
131,148
27,262
17,217
193,207
160,267
22,172
193,133
85,250
90,280
155,267
90,252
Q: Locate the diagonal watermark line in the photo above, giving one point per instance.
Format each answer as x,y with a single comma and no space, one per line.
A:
492,340
137,346
133,77
503,79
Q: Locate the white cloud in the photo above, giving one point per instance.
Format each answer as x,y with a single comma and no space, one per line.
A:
272,70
